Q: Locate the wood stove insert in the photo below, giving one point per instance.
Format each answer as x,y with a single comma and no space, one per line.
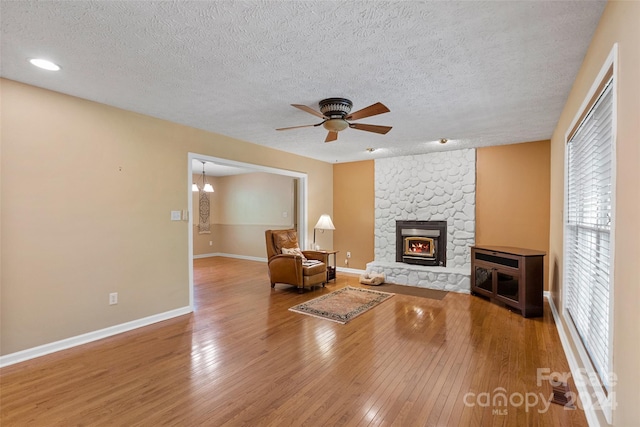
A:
421,242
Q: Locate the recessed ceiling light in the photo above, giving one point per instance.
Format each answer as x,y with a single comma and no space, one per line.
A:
443,141
44,64
370,150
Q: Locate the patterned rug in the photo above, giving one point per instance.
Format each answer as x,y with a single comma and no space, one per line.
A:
342,305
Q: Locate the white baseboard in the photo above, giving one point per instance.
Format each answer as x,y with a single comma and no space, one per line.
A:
205,255
42,350
574,366
350,270
249,258
222,254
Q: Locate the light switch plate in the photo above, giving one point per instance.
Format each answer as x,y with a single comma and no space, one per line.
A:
175,215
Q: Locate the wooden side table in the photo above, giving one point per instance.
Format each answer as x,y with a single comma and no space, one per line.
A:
331,269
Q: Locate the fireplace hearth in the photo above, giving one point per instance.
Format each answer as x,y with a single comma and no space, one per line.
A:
421,242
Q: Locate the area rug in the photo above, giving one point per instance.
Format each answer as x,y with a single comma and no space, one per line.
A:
413,291
342,305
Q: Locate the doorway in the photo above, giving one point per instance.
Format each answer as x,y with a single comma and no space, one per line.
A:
299,215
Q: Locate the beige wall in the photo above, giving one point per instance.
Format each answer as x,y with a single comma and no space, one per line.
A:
256,198
512,196
87,191
619,23
354,200
242,208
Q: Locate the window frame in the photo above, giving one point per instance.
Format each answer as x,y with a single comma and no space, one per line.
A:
593,392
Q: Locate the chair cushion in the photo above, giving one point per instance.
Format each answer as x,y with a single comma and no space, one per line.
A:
314,269
294,251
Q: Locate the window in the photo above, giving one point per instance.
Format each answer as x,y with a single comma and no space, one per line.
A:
589,221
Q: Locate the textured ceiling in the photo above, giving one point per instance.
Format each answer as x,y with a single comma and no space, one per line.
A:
478,73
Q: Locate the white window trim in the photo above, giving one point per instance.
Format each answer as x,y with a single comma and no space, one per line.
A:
592,394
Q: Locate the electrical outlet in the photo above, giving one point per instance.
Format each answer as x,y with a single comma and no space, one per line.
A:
346,262
113,298
210,242
348,254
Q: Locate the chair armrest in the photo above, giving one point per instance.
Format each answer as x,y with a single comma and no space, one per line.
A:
317,255
284,260
285,268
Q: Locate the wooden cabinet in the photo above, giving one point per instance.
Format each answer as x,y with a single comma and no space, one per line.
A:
513,276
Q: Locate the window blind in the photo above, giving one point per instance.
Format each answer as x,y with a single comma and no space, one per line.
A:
588,230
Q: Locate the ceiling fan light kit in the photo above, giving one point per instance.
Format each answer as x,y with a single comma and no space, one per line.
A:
335,125
336,113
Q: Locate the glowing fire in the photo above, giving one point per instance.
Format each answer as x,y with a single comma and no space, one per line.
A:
423,246
420,247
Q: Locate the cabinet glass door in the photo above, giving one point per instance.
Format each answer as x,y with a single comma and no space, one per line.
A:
484,279
508,286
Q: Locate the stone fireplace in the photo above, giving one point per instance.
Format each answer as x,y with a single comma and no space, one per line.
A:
421,242
438,187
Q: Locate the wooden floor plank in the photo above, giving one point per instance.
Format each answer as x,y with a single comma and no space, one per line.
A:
243,359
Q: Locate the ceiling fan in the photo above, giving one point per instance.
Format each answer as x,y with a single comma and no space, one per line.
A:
336,113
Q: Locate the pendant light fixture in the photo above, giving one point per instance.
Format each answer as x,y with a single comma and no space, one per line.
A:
206,187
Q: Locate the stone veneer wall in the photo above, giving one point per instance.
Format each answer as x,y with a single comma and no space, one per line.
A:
436,186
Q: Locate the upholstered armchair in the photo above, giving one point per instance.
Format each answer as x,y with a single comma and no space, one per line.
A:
289,268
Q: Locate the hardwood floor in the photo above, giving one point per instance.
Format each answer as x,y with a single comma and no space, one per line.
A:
243,359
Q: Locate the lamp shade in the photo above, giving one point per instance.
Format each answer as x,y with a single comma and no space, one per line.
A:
324,223
194,187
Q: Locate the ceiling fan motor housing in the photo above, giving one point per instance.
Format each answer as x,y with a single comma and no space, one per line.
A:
335,107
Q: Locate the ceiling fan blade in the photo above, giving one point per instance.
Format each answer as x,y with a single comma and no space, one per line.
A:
308,110
371,110
370,128
331,136
298,127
